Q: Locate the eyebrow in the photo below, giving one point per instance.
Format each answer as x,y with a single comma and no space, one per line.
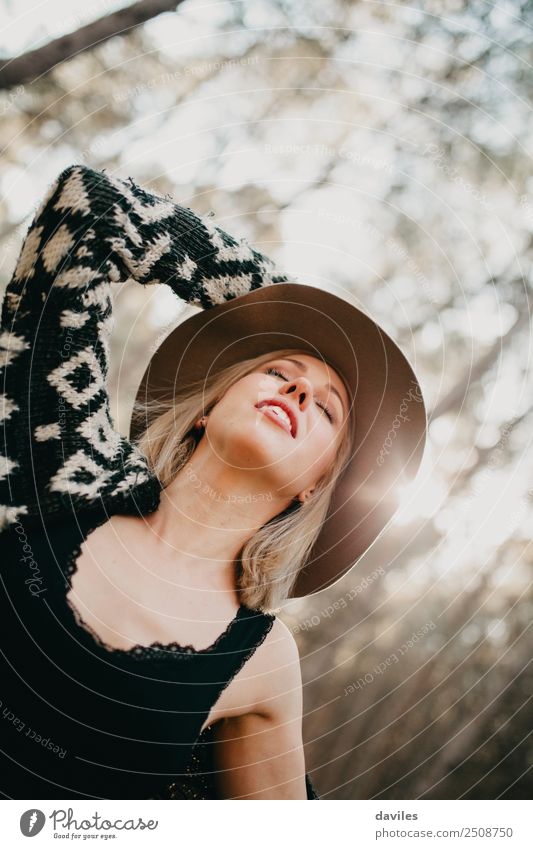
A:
328,386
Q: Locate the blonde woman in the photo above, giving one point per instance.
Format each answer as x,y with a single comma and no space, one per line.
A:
144,657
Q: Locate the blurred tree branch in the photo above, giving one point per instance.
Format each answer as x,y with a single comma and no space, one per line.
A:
458,393
32,65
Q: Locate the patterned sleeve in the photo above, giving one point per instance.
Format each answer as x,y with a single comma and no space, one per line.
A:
59,445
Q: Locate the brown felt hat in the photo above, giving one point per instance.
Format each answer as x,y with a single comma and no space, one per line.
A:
390,415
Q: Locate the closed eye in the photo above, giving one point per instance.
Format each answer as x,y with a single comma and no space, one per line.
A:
276,371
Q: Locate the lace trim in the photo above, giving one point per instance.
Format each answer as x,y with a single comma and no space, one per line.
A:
155,650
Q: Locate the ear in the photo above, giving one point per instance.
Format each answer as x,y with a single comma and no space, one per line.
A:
304,495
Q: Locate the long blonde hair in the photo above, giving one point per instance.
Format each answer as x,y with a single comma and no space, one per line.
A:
270,560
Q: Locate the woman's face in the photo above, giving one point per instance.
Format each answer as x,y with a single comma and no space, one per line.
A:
290,450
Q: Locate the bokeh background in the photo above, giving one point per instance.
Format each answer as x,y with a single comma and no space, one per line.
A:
381,151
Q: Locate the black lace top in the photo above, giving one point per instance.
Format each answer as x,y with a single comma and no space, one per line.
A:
80,719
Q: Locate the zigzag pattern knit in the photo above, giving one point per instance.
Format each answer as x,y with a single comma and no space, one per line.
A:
60,449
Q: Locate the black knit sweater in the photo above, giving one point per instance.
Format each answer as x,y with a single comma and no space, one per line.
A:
60,447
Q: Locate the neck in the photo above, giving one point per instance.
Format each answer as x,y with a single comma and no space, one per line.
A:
210,509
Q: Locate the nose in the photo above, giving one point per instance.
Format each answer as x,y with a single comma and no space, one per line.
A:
301,388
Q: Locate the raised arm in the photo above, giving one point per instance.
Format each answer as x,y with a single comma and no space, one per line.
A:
59,445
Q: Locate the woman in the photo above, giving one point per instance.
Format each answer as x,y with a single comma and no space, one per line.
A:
143,658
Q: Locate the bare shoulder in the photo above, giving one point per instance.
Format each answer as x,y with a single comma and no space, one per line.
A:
269,684
279,648
276,673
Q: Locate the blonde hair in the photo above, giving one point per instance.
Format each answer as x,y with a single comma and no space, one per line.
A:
270,560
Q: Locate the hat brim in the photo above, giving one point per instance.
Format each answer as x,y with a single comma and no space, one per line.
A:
390,415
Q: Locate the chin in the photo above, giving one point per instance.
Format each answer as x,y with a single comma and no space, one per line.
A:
250,444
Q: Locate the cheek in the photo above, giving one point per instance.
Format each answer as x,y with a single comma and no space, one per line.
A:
227,407
221,420
323,433
321,443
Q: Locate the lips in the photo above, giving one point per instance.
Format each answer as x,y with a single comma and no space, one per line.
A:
274,402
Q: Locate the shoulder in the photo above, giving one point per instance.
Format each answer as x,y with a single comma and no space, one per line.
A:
277,650
281,643
275,673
